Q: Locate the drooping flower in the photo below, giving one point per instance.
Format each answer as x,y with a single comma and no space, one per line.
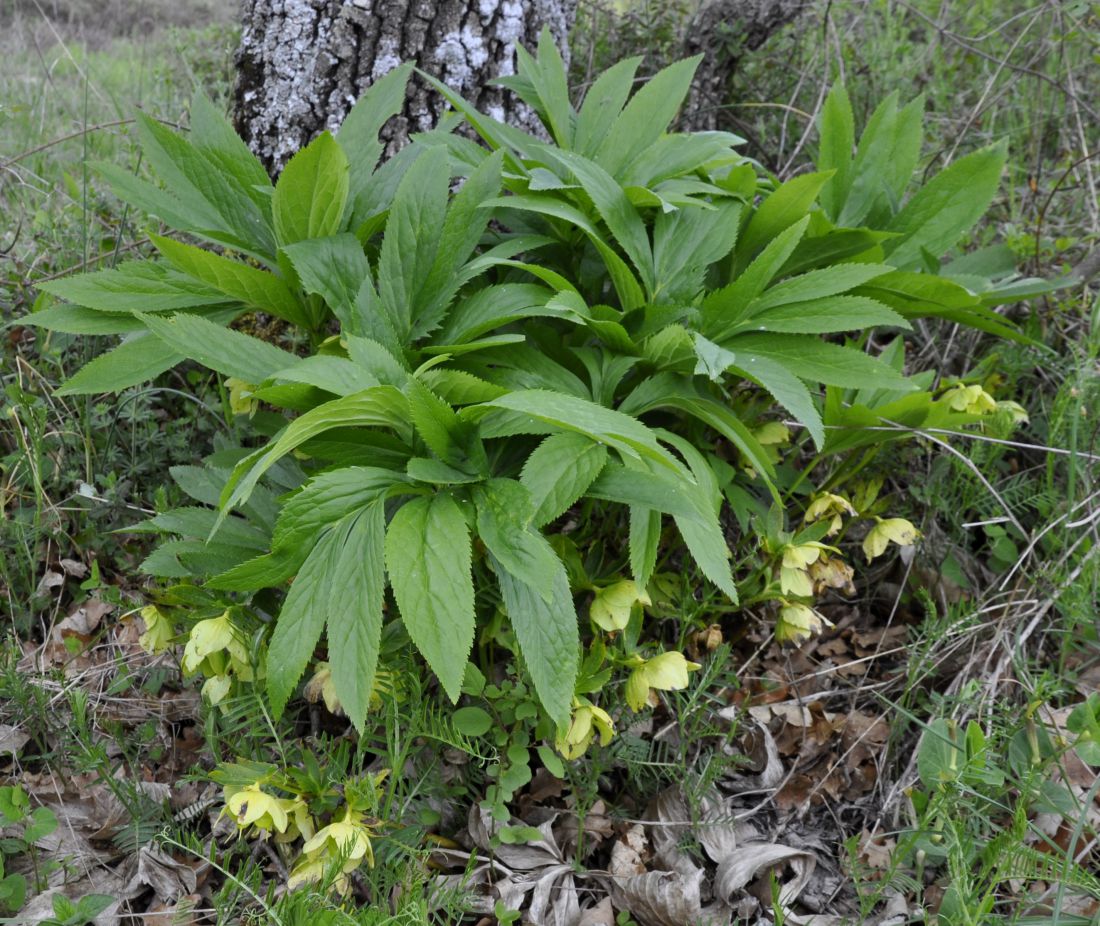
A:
612,605
158,630
973,400
666,672
321,686
252,806
887,531
214,635
587,721
349,837
798,622
794,579
829,505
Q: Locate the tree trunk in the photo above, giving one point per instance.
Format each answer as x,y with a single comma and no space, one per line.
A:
301,64
723,31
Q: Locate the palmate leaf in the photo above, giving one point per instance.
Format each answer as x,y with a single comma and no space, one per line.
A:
199,181
380,406
428,557
946,207
785,206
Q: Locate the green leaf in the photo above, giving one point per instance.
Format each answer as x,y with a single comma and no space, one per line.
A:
472,721
223,350
559,471
493,307
382,406
428,558
787,205
462,230
647,115
547,633
355,611
836,129
826,316
312,190
816,284
334,268
142,286
686,242
136,360
303,615
725,308
197,180
811,359
655,490
450,438
214,136
253,287
333,374
625,434
871,168
358,135
603,102
788,390
946,207
412,235
504,509
645,539
616,210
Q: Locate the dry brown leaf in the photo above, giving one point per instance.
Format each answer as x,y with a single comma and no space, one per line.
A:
12,740
180,913
628,852
170,879
666,898
753,859
603,914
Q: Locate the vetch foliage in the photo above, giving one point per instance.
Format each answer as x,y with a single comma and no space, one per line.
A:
498,332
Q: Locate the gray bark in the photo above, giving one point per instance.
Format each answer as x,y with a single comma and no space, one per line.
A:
301,64
724,31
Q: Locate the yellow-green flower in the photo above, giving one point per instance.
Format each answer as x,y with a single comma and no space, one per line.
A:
158,630
1015,409
311,870
887,531
828,505
254,806
587,721
300,823
798,622
241,401
973,400
612,605
214,635
349,837
772,434
793,576
215,688
321,686
667,672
